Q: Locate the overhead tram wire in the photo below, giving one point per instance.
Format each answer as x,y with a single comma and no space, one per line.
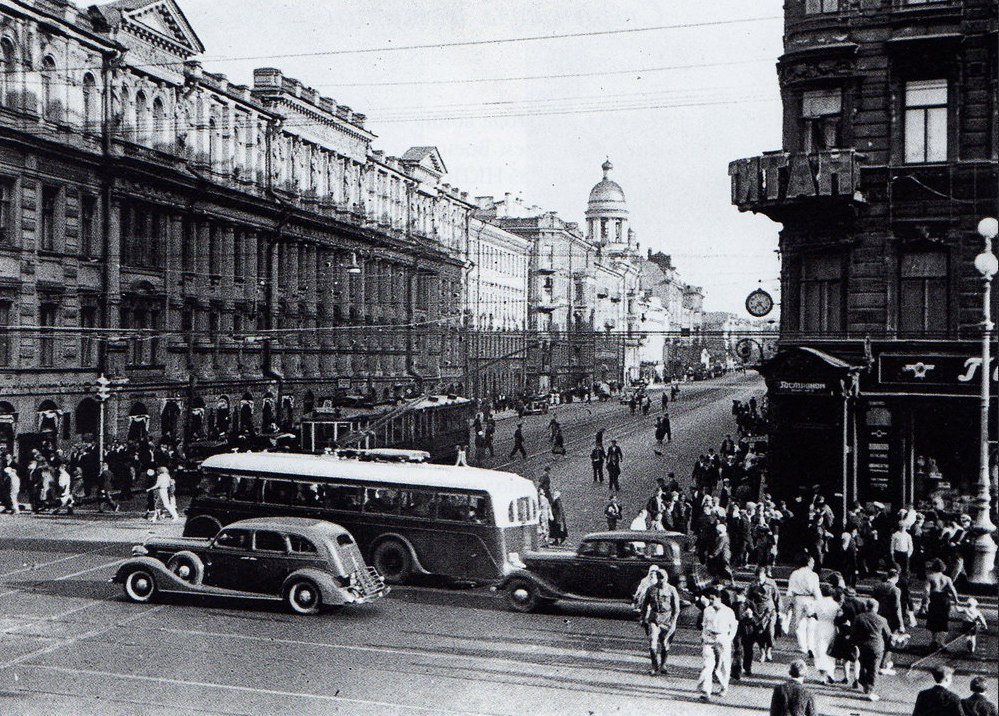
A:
445,45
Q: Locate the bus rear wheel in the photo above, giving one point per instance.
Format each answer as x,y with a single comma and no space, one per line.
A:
393,561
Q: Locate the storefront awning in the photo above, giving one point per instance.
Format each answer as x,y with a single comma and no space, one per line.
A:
804,370
831,360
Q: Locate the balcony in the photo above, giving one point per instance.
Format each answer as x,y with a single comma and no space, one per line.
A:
546,270
779,184
547,305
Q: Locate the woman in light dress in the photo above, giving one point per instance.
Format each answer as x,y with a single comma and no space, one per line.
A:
822,631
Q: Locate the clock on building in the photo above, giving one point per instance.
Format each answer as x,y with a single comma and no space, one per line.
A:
759,303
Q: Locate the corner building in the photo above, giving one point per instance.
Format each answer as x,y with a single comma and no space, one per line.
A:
889,162
198,241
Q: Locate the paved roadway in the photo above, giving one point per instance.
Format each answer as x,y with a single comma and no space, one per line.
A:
69,644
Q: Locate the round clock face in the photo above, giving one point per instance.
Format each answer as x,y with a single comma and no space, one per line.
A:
759,303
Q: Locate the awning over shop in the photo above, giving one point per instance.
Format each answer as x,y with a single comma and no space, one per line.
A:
804,370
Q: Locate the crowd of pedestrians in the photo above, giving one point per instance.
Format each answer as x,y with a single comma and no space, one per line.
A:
56,480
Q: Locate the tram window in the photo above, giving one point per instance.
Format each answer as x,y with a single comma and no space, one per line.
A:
418,504
381,501
343,497
245,489
278,492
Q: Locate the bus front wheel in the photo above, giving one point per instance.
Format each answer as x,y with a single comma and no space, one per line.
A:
392,560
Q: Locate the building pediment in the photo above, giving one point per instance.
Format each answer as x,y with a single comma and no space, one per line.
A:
427,159
159,21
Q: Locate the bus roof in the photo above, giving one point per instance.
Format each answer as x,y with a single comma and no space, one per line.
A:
297,465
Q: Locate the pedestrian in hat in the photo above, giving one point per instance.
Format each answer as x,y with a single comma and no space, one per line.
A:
658,613
614,456
612,512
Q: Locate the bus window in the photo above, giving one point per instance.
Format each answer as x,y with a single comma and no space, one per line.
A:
521,510
343,497
418,504
381,501
306,494
463,508
278,492
245,489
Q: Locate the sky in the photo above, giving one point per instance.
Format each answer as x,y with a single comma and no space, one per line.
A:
670,106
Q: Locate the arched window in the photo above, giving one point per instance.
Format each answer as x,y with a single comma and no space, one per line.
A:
125,118
50,106
8,72
213,149
141,118
159,123
90,104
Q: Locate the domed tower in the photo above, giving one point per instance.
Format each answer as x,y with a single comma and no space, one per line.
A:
607,212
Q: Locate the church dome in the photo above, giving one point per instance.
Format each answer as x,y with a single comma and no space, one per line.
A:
607,194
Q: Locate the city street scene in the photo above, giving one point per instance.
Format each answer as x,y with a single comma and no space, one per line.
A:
530,357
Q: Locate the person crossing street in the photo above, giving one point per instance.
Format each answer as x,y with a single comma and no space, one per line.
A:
717,633
518,442
658,613
614,456
597,457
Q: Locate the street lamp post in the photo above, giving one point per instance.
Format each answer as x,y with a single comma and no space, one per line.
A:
983,558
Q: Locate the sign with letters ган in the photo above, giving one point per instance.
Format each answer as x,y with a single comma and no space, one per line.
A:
935,371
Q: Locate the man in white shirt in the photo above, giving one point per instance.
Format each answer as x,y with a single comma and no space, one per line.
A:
901,548
717,635
802,590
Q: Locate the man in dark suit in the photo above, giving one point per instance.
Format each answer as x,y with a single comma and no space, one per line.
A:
889,598
792,698
939,700
869,634
977,704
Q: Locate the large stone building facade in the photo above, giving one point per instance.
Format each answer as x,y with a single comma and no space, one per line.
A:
228,255
888,164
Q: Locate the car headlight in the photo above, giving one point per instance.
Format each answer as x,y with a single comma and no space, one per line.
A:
139,551
514,559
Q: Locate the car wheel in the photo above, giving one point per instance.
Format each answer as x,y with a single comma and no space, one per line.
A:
304,597
202,526
140,586
392,560
187,566
522,595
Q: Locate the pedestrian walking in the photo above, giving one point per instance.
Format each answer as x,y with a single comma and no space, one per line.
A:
658,614
791,698
719,560
614,456
745,636
665,399
12,485
64,490
641,521
939,700
667,427
544,518
558,442
162,490
490,435
518,442
821,633
940,594
972,622
104,480
763,597
660,431
557,529
646,405
802,590
612,512
597,457
977,704
870,634
717,632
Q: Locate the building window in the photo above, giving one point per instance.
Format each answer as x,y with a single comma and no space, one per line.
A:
8,72
141,118
159,138
47,320
88,320
821,115
50,198
91,104
925,121
51,109
6,211
88,226
923,295
215,250
821,294
814,7
6,344
141,315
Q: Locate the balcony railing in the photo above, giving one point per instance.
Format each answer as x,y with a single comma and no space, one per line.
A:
778,181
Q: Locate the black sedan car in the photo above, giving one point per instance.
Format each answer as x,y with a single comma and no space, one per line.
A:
606,567
310,564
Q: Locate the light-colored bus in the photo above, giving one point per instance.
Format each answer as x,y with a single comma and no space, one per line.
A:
408,518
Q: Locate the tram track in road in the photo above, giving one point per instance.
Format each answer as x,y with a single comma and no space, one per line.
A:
593,419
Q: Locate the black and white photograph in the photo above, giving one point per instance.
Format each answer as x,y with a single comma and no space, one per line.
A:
549,357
